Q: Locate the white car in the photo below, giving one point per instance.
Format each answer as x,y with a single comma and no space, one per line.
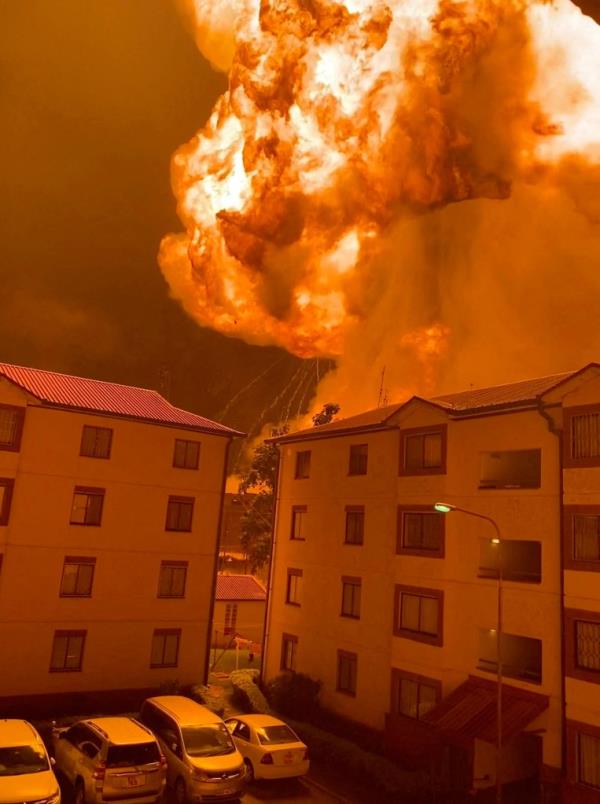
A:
271,750
25,770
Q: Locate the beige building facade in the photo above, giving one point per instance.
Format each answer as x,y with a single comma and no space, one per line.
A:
110,503
394,606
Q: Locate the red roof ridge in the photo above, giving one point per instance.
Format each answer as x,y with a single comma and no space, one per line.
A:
85,379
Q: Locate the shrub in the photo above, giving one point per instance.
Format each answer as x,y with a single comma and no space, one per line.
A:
294,694
247,695
203,695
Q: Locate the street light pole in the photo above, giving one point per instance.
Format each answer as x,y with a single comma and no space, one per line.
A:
446,508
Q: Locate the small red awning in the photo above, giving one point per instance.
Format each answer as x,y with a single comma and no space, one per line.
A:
470,711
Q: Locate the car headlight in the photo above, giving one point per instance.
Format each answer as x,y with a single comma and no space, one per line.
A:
53,799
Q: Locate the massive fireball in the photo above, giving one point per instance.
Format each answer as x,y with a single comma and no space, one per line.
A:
347,130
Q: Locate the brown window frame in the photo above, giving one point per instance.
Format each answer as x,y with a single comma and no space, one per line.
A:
398,675
569,560
348,580
187,442
297,509
572,669
354,509
437,640
419,551
79,561
20,423
68,634
297,467
355,462
568,415
89,491
574,730
292,573
294,640
178,565
8,484
165,632
346,655
93,454
177,500
439,429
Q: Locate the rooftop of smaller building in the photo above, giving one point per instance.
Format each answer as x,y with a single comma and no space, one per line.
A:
239,587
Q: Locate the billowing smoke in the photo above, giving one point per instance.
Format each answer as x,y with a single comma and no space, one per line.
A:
408,184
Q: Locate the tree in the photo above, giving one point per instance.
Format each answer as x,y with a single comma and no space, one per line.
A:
257,495
329,410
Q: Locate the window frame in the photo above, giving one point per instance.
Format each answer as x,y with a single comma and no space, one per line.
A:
8,484
400,532
93,454
356,582
354,509
175,499
20,424
292,572
79,561
68,634
89,491
346,656
293,640
569,413
298,461
165,632
574,730
297,509
405,433
398,675
187,442
358,460
177,565
569,560
437,640
572,669
230,617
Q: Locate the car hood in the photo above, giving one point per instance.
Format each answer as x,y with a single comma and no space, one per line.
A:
222,762
27,787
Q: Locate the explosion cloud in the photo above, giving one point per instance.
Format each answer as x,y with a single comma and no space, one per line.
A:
403,183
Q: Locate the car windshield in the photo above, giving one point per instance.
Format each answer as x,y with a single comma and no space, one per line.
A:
207,741
124,756
268,735
21,759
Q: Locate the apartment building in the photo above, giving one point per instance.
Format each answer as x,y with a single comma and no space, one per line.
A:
110,504
393,606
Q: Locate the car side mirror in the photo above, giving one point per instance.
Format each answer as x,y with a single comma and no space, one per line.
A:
175,748
52,761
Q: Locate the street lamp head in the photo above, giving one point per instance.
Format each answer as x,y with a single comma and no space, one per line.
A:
495,541
443,508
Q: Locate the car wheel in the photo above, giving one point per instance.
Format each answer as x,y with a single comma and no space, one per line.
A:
249,770
79,792
180,791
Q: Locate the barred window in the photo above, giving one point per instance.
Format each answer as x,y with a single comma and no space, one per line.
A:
230,618
586,537
588,760
587,640
11,427
6,490
585,435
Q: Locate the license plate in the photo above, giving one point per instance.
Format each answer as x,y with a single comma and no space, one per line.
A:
288,759
135,781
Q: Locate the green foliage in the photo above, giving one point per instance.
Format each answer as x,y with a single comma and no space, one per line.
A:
324,416
202,695
294,694
247,695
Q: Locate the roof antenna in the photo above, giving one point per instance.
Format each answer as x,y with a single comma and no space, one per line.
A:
383,395
164,381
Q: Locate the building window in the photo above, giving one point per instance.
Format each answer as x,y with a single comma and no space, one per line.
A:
96,442
419,614
355,524
351,597
298,530
521,656
587,641
289,649
302,465
588,760
413,695
77,577
186,454
582,436
582,538
521,560
67,651
11,427
165,647
423,451
293,587
582,644
230,618
359,455
6,490
172,578
347,667
179,513
87,506
420,532
511,469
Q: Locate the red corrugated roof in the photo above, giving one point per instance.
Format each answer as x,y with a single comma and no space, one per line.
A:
81,393
239,587
470,711
513,393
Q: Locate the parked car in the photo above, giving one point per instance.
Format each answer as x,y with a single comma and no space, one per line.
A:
112,759
271,750
203,762
25,769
